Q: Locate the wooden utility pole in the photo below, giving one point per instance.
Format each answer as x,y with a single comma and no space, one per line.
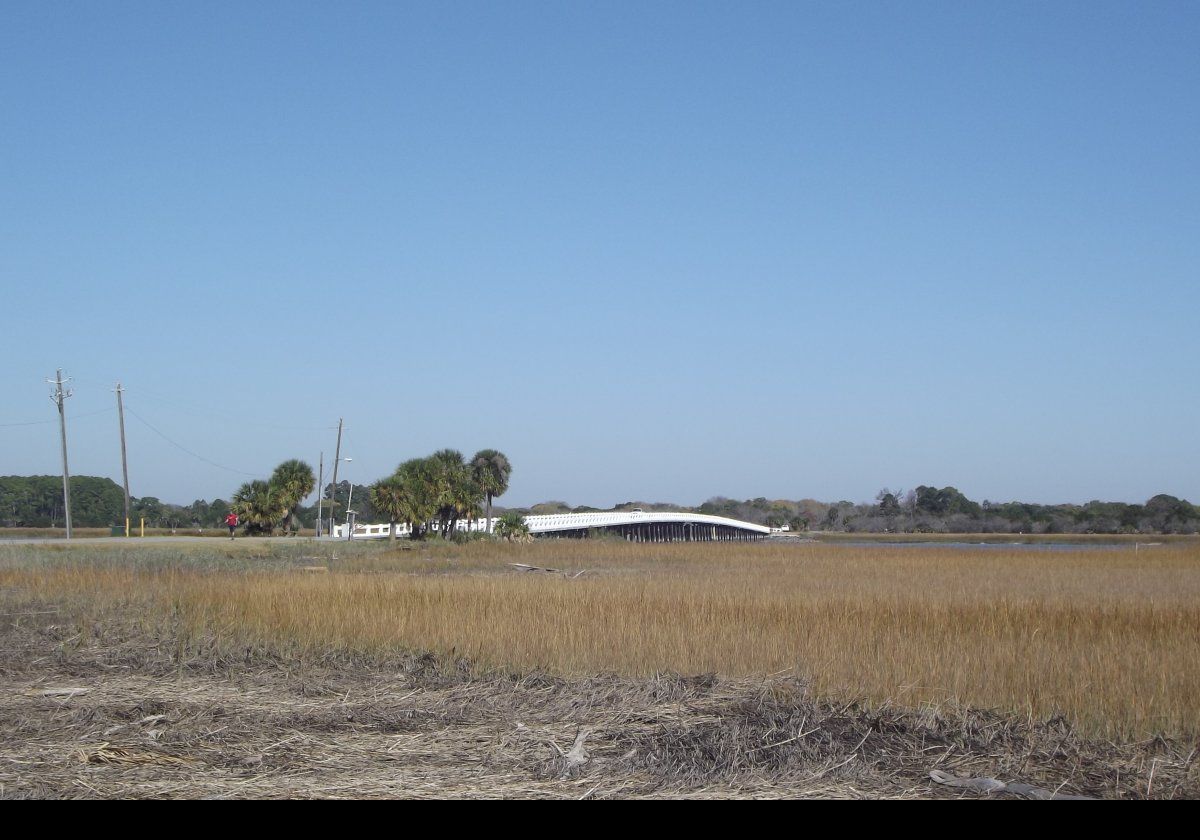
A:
124,463
58,396
320,490
337,456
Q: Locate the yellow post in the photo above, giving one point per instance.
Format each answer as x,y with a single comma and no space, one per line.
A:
143,533
127,526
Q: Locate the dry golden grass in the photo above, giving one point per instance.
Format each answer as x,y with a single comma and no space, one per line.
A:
1109,638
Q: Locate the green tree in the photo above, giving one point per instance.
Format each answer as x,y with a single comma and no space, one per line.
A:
456,489
217,511
889,505
199,512
388,497
423,492
291,483
148,508
491,470
339,498
1163,513
511,526
411,495
465,498
258,506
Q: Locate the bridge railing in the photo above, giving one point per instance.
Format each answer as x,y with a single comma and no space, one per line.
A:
549,523
577,521
380,531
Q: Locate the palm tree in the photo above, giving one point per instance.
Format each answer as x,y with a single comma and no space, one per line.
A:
258,506
511,526
292,481
388,497
418,494
491,470
465,497
451,473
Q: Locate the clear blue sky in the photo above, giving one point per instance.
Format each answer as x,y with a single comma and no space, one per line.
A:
654,251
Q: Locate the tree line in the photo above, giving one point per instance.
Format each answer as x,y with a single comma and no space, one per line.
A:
928,509
433,494
36,501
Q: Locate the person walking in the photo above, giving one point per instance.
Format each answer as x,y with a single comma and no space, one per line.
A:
232,521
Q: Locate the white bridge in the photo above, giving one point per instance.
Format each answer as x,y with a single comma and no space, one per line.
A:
635,526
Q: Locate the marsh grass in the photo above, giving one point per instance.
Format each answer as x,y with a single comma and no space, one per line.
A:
993,538
1108,638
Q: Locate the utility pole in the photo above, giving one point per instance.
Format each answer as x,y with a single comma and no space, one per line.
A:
320,490
58,396
124,463
337,456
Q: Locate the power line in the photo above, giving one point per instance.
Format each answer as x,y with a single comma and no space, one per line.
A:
48,422
185,407
204,410
183,448
198,410
30,423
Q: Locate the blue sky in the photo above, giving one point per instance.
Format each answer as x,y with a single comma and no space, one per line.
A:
654,251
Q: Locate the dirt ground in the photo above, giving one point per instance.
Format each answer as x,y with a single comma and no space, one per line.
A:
130,718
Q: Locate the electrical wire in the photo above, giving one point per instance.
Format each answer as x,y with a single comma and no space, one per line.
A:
47,422
182,448
197,410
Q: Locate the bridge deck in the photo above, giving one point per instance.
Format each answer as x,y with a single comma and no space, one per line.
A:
636,526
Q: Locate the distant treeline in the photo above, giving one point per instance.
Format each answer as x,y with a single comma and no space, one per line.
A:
37,502
946,510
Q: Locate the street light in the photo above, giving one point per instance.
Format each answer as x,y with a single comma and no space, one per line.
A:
350,513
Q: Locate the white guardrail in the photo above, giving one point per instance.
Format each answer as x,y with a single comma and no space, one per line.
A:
549,523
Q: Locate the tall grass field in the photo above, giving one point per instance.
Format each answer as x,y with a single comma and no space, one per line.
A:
1108,637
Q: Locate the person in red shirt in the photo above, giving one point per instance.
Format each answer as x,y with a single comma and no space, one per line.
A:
232,521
